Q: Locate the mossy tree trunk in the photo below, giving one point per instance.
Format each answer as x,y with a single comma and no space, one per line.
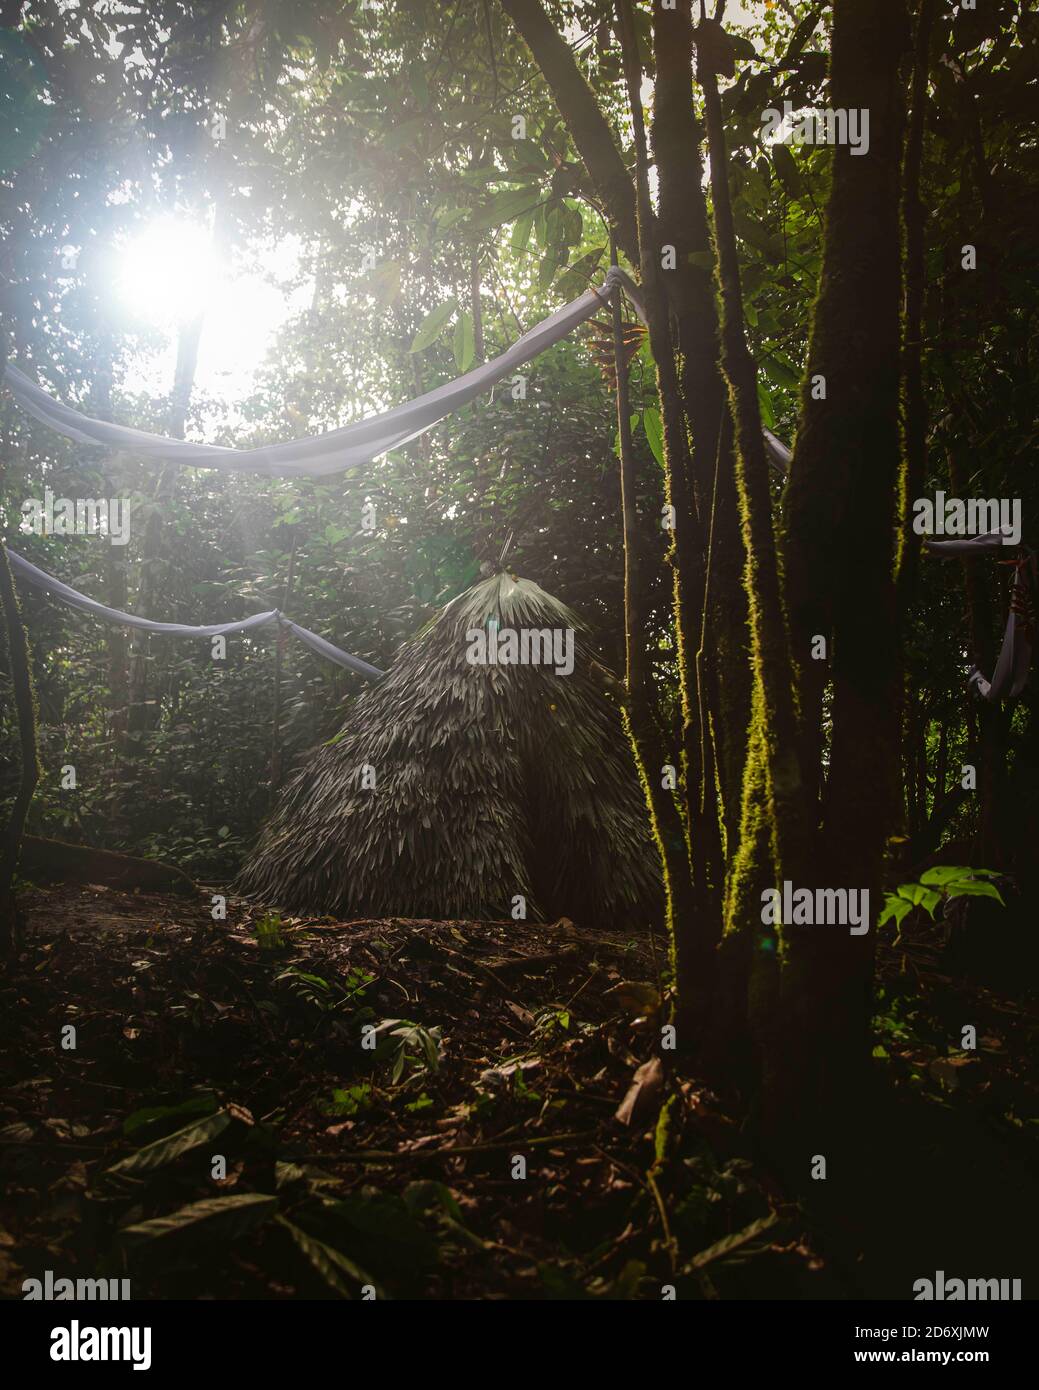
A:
840,527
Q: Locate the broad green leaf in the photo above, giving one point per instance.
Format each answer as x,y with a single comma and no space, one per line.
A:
447,219
464,342
502,207
521,232
944,873
431,327
654,429
548,267
974,889
164,1151
216,1218
575,280
780,370
386,1221
768,415
912,892
196,1105
752,232
894,907
930,902
786,168
329,1262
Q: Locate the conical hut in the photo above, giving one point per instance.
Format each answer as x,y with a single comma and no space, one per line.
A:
479,770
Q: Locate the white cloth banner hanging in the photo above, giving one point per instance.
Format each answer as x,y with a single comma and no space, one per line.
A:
338,449
1015,655
41,580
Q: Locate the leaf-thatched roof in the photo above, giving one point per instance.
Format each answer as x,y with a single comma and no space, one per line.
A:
490,781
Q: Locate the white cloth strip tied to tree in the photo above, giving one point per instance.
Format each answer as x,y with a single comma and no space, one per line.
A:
41,580
1015,655
338,449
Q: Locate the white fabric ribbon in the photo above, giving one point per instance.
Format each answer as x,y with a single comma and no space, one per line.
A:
348,447
41,580
1015,655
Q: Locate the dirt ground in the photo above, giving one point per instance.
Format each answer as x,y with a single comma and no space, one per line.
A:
258,1108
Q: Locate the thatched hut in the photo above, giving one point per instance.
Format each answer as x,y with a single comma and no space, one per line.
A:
479,769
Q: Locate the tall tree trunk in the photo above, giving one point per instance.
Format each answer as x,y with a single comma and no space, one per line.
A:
914,467
840,527
682,222
695,936
769,646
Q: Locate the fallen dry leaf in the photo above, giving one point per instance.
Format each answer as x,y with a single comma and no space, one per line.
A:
648,1082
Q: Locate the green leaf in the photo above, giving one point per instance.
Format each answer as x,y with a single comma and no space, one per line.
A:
521,232
945,873
540,225
447,219
654,429
504,207
752,232
780,370
912,892
973,889
549,265
226,1218
386,1224
768,415
786,168
464,342
164,1151
930,902
431,327
575,280
152,1114
329,1262
894,907
733,1242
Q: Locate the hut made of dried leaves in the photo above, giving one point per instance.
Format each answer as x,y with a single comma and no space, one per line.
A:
454,786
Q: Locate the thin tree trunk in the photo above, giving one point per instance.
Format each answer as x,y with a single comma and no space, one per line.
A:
914,468
682,222
694,935
25,706
279,651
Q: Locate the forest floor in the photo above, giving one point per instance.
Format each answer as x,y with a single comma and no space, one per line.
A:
218,1130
